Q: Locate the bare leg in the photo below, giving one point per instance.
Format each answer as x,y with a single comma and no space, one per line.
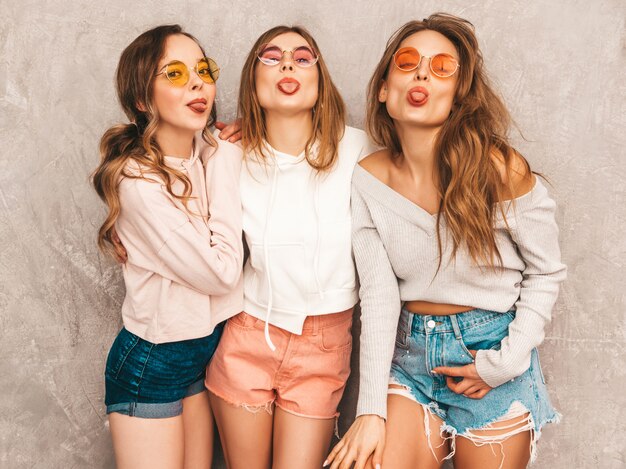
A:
406,443
246,434
511,452
198,430
147,443
300,441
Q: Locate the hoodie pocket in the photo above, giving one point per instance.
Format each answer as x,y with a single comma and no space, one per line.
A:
286,269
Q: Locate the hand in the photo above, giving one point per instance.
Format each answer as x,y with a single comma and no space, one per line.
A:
230,132
119,251
365,436
471,385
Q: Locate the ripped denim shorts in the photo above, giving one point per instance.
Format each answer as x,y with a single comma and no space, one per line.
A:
425,342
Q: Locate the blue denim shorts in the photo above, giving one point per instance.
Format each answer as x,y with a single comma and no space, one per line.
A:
425,342
149,380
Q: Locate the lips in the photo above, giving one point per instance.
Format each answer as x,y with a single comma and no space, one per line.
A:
417,96
288,86
198,105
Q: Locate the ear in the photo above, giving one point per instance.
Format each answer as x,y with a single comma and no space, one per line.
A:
141,106
382,94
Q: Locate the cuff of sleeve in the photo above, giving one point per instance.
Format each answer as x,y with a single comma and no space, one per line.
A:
372,406
494,370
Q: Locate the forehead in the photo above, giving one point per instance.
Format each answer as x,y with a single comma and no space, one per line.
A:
181,47
430,43
289,41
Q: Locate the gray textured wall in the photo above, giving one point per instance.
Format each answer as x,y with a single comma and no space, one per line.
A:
559,64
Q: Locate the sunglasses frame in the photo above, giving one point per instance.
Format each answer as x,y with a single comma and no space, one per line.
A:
430,62
208,60
263,47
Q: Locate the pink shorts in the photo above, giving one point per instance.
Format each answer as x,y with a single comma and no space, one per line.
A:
305,375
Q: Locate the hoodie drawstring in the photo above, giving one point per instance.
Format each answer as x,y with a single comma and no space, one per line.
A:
266,254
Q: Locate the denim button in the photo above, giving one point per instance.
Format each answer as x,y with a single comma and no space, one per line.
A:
431,324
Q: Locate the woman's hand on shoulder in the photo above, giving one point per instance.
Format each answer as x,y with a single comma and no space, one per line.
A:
365,436
230,131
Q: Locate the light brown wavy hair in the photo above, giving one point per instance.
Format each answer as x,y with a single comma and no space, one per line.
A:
136,141
469,148
328,113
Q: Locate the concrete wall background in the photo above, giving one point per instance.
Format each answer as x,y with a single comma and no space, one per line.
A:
560,66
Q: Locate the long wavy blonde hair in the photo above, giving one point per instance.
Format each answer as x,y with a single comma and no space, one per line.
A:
466,148
328,113
136,141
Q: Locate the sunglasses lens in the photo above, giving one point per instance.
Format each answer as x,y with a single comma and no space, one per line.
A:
270,54
304,57
443,65
407,59
208,70
177,73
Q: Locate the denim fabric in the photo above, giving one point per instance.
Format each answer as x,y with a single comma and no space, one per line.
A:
425,342
150,380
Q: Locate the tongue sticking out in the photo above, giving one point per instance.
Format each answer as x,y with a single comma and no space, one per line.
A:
288,87
418,96
198,107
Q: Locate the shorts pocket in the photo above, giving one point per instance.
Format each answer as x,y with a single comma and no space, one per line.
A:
243,321
337,337
123,345
403,331
486,335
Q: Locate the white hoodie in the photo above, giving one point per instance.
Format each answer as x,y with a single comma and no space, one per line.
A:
297,226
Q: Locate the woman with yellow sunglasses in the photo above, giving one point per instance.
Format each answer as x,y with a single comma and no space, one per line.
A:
161,175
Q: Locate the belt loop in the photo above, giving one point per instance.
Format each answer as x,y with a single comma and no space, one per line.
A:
316,324
455,327
409,324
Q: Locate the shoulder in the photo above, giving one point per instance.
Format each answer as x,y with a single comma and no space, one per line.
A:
515,175
222,154
378,164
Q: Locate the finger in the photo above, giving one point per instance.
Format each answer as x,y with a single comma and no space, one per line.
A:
474,388
333,453
377,459
219,125
235,138
339,457
360,462
473,352
459,371
462,386
480,394
348,459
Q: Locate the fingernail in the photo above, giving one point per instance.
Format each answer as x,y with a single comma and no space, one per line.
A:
433,372
326,463
377,466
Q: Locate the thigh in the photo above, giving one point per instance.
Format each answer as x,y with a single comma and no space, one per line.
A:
245,434
198,431
499,446
147,443
300,441
412,436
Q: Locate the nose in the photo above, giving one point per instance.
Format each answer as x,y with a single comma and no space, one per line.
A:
195,81
286,62
422,73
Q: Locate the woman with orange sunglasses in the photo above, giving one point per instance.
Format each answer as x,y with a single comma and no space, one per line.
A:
457,252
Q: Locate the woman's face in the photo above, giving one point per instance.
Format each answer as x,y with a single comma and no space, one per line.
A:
419,97
286,87
182,109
